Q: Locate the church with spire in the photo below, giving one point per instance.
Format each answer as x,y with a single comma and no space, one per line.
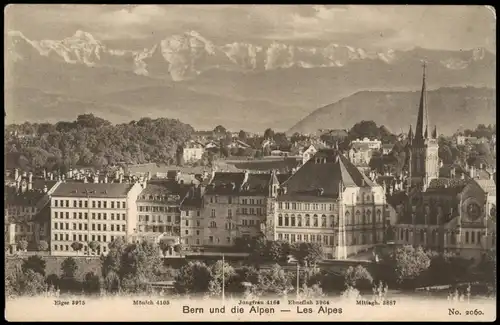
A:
456,213
423,147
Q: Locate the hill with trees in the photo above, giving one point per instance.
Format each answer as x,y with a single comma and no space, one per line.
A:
91,141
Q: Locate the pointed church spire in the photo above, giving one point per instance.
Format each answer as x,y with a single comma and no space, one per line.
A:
410,135
422,111
435,132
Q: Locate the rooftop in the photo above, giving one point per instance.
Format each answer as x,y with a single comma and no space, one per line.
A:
324,174
97,190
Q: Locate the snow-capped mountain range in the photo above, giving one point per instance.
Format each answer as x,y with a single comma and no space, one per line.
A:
188,55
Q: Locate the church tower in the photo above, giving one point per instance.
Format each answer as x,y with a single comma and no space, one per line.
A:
424,145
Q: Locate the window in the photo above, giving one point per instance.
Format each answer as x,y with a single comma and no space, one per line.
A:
99,204
213,213
293,221
299,221
287,205
211,239
280,220
197,223
323,221
55,213
466,237
187,232
113,206
213,224
85,215
308,220
228,240
293,238
187,223
230,200
229,213
123,205
104,204
123,227
280,236
473,237
315,218
197,232
93,226
286,220
93,204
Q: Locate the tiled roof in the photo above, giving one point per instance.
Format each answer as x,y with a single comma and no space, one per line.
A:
283,177
28,198
163,188
360,146
449,183
103,190
281,165
225,183
257,184
326,175
488,185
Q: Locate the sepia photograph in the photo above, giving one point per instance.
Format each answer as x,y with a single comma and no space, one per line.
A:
249,162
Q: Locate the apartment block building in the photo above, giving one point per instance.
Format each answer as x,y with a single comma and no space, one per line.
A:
236,205
92,212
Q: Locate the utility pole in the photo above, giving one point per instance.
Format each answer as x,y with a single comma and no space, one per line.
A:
223,294
298,282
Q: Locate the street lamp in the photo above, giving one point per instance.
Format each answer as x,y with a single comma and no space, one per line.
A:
290,261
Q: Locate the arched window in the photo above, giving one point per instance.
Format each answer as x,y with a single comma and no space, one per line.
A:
299,221
293,220
323,221
213,224
287,220
332,221
315,220
422,235
280,220
357,219
369,216
308,220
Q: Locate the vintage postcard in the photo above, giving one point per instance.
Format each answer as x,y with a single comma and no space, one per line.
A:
250,163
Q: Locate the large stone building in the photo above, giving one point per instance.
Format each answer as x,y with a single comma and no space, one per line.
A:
328,200
455,213
92,212
236,205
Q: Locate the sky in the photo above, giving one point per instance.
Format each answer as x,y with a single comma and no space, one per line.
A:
370,27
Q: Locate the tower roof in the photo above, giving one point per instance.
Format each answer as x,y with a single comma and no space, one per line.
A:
422,118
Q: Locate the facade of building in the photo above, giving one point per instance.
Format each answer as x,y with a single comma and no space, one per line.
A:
236,205
329,201
360,154
26,201
308,153
92,212
192,151
455,213
372,144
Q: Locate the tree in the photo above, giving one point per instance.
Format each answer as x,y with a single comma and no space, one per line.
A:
358,277
166,245
447,268
93,246
22,245
259,252
242,136
273,281
193,278
278,251
406,265
140,264
488,266
77,246
268,134
34,263
31,283
43,246
92,283
69,267
215,284
307,253
178,248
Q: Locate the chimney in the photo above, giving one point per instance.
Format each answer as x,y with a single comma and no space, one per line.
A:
96,179
16,173
85,179
463,175
120,178
106,179
45,174
471,171
45,189
25,174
